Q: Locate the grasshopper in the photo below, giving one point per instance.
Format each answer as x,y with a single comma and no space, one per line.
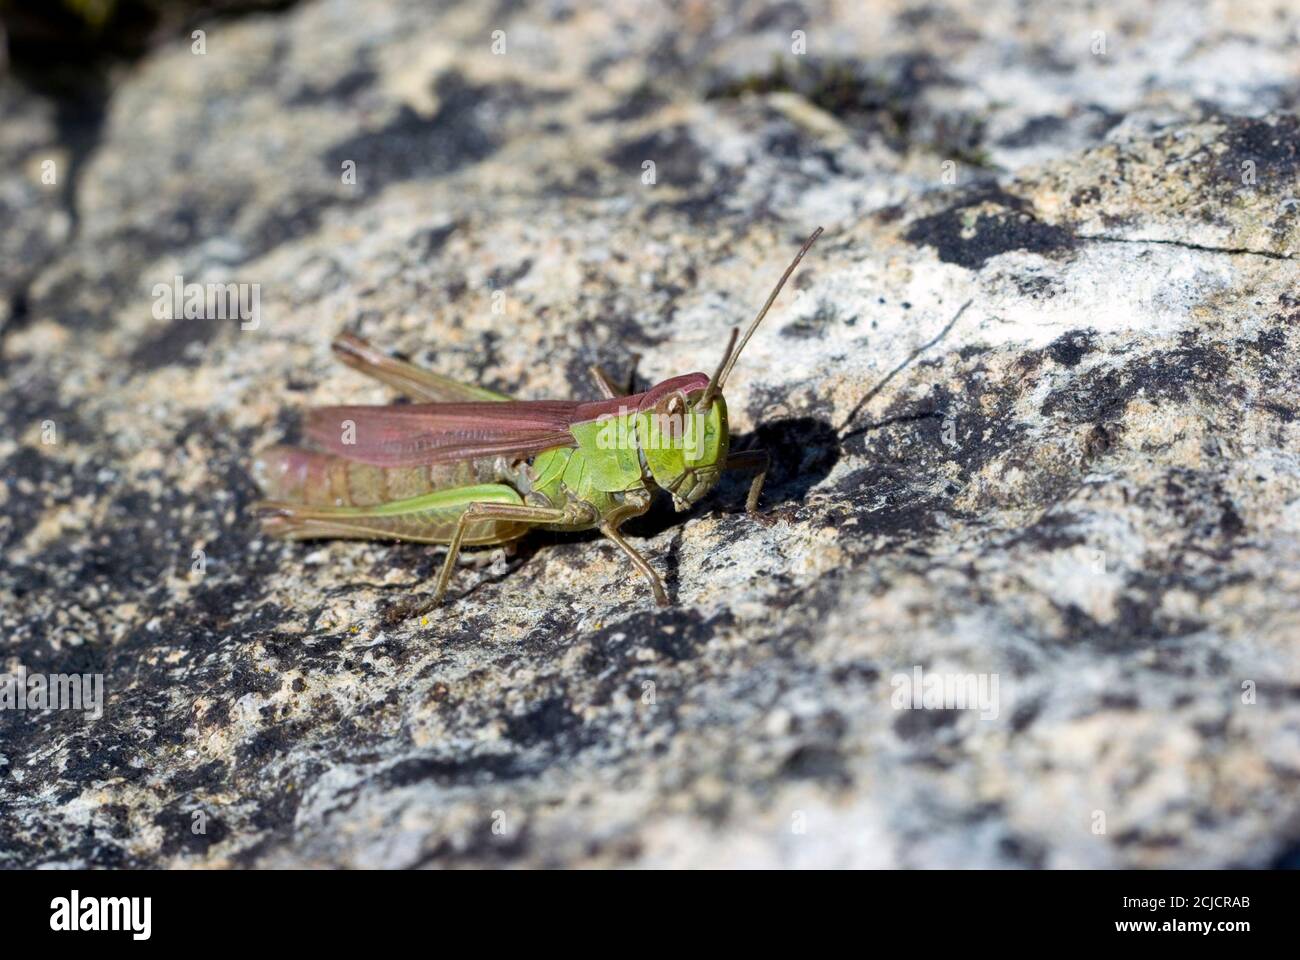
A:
467,466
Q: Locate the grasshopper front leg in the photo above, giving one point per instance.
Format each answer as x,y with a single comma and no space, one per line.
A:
609,527
638,561
751,460
479,511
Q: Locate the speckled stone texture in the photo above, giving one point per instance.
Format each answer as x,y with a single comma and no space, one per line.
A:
1087,483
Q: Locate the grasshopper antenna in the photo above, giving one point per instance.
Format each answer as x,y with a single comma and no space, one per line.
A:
712,389
729,358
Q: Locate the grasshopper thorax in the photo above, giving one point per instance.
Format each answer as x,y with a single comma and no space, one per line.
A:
682,444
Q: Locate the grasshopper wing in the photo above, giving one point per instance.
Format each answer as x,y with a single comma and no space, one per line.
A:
407,435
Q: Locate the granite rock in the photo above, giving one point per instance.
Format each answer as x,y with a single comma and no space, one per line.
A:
1032,401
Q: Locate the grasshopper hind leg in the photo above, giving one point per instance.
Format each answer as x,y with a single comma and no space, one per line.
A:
415,382
429,518
605,383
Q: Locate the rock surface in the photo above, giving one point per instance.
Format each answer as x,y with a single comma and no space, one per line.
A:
1086,483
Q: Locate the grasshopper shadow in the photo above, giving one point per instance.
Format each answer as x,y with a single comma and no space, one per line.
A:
804,450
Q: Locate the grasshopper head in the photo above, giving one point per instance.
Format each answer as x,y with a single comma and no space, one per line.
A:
682,422
684,446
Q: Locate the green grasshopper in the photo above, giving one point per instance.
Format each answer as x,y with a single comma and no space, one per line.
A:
466,466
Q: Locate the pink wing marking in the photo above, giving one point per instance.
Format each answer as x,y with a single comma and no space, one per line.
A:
407,435
597,409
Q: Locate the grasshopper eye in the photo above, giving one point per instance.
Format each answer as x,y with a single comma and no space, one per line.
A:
672,416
